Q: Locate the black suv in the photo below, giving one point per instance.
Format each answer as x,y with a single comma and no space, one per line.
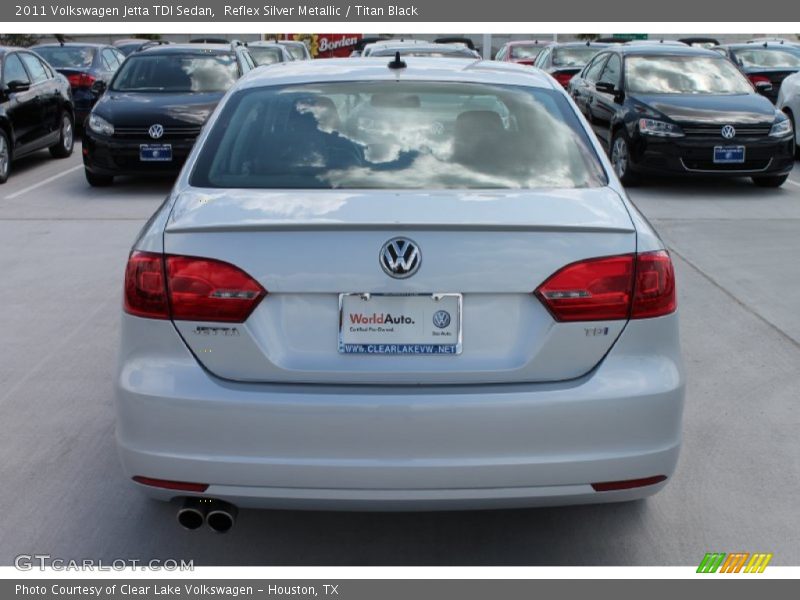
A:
149,117
672,109
36,109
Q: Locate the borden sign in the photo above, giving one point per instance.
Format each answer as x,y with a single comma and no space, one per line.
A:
327,45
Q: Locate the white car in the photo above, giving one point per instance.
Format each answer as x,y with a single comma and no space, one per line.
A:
396,285
789,102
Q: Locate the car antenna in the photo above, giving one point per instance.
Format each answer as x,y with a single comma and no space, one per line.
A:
397,63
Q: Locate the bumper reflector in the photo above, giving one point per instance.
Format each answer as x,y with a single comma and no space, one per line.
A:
171,485
611,486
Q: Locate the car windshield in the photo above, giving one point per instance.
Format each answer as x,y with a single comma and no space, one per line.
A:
766,58
527,51
385,135
65,57
683,75
297,51
210,72
573,56
264,55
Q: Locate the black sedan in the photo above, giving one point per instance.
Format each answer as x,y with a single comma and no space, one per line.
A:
563,61
766,64
149,117
36,109
84,65
671,109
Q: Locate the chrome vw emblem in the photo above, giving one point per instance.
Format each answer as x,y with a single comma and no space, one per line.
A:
156,131
728,132
441,318
400,258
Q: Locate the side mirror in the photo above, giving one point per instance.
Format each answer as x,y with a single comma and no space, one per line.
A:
605,87
18,86
763,87
98,87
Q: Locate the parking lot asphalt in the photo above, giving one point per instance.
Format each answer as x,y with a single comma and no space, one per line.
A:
63,247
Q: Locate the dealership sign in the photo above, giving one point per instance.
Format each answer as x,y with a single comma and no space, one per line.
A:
325,45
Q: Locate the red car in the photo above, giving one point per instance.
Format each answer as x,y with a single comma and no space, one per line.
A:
523,52
563,61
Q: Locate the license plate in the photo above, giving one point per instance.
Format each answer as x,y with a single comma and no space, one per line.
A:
416,324
728,154
155,152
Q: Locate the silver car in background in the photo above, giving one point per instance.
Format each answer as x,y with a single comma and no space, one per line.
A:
406,284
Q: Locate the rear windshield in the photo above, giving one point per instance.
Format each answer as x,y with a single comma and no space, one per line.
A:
265,56
684,75
521,52
176,73
766,58
411,135
65,57
573,57
429,52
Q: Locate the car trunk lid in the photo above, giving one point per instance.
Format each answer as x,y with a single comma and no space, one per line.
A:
489,249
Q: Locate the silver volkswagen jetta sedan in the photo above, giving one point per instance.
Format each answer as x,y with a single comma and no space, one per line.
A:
397,284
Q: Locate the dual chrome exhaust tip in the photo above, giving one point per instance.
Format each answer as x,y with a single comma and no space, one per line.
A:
220,516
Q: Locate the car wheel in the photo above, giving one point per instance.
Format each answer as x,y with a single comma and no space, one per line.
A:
96,180
5,157
621,159
770,182
66,138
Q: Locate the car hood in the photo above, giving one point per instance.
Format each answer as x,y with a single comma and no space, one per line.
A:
711,109
124,109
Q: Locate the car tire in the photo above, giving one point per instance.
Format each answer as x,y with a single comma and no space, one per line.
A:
5,157
96,180
620,155
775,181
66,137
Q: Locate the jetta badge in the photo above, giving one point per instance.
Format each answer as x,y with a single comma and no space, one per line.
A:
400,258
728,132
156,131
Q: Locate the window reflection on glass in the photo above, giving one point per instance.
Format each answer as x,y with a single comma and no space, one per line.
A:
177,73
411,135
683,75
766,58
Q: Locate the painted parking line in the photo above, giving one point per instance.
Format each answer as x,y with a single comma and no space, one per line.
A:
43,182
792,182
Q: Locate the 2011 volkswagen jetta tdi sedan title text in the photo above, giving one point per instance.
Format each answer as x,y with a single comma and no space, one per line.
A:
388,286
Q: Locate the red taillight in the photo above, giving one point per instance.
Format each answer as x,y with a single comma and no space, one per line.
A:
194,289
598,289
563,78
202,289
654,293
81,80
756,79
611,288
145,289
183,486
612,486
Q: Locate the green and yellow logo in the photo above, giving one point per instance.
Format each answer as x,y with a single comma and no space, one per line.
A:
737,562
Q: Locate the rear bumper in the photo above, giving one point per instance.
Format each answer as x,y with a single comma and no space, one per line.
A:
370,447
694,156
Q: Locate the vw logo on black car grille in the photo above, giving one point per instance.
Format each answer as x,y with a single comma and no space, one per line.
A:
400,258
156,131
728,132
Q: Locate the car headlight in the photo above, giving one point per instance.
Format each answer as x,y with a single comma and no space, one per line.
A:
781,128
659,128
100,125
